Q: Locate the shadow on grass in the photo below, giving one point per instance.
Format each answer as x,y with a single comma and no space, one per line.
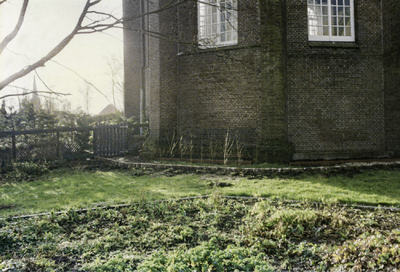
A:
372,187
78,189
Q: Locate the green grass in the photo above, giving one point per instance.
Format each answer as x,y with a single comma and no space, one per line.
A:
213,234
64,189
372,187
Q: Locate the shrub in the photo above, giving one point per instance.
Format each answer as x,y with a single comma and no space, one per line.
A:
30,168
208,257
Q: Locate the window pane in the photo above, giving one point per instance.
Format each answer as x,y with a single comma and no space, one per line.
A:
222,28
317,10
223,39
228,16
332,18
348,31
217,22
229,36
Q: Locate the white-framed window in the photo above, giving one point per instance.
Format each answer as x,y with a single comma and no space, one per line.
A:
217,22
331,20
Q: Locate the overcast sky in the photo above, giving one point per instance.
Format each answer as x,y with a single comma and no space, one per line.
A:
47,22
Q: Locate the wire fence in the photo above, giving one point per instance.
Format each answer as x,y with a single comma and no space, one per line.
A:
63,143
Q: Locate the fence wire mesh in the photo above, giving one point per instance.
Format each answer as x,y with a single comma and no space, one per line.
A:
63,143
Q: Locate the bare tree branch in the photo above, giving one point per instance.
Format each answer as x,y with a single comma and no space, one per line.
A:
17,27
86,81
57,49
99,25
44,83
31,92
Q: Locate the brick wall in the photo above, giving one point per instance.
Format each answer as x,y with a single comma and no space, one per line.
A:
220,89
336,99
328,99
167,53
392,74
132,60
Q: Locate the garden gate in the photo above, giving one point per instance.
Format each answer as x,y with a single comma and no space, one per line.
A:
110,140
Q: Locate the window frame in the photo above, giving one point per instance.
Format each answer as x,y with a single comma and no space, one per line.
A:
218,42
330,37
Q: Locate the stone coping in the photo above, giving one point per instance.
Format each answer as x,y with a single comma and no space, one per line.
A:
251,170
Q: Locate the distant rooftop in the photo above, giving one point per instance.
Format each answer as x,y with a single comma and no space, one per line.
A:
110,109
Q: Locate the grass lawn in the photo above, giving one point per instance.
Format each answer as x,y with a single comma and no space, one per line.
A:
65,188
213,234
371,187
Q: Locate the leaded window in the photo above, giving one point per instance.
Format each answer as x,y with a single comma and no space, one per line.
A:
217,22
331,20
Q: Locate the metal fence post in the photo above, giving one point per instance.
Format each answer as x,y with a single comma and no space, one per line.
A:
14,145
58,144
95,140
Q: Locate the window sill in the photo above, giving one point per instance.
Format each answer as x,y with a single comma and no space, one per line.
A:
218,49
313,44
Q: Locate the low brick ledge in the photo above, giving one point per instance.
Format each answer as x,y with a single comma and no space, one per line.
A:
249,170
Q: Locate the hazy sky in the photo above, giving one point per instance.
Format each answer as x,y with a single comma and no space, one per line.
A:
47,22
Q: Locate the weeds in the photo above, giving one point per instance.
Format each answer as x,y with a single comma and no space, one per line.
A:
172,144
23,171
239,151
214,234
228,146
213,147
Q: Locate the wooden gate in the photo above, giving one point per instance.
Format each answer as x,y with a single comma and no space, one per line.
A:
110,140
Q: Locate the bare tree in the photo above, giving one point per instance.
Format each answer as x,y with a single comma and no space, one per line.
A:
102,22
85,25
116,74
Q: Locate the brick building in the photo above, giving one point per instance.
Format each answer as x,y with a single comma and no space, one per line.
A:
322,75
